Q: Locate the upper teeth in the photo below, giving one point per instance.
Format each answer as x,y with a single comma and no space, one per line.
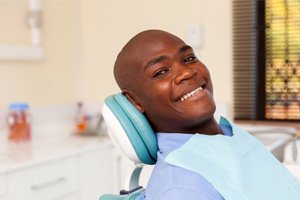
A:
190,94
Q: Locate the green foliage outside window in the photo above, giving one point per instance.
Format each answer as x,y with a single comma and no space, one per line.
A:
282,59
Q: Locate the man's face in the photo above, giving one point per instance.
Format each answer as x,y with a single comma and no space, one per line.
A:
173,87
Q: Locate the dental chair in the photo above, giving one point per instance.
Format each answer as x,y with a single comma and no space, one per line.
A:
131,132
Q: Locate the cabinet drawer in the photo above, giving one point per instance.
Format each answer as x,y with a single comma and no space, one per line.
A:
45,181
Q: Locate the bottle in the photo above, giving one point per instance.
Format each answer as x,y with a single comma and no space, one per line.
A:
19,123
81,120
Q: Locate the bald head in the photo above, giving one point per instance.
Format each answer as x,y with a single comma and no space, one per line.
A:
130,60
162,77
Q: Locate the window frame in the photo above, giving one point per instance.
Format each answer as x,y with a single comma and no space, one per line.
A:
257,89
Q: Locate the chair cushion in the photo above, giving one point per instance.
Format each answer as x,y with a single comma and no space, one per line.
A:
130,130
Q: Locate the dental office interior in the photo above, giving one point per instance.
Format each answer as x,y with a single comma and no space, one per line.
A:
56,69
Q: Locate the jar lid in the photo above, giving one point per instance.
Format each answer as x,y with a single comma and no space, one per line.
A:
18,106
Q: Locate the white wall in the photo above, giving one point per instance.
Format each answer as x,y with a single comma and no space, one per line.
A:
48,81
82,38
108,25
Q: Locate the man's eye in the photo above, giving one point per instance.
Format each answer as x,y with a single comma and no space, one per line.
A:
160,72
190,58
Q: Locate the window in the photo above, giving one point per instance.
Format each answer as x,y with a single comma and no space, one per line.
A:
282,59
266,59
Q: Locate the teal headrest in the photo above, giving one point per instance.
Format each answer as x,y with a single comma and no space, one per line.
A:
130,130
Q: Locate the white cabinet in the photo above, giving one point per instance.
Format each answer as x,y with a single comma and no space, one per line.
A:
3,187
96,173
47,181
73,168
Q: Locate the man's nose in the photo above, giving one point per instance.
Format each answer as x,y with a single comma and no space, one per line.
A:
184,73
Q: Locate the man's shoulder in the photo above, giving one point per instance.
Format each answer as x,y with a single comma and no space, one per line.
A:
171,181
173,175
183,193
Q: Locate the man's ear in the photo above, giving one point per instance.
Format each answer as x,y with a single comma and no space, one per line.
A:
130,96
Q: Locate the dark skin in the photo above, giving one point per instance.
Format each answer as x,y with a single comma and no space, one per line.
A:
162,78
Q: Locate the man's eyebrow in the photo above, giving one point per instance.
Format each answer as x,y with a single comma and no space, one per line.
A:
163,57
184,49
155,61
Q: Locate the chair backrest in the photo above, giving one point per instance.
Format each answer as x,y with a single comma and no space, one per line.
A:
130,130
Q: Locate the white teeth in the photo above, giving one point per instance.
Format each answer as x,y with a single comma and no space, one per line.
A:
190,94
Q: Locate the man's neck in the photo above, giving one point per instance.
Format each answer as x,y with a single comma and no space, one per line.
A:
210,127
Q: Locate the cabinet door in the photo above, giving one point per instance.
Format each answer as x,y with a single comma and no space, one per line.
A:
47,181
3,197
96,172
3,187
74,196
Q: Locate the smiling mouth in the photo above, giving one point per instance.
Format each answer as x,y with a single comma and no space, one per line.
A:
190,94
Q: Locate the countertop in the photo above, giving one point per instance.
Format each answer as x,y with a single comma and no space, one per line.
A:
46,147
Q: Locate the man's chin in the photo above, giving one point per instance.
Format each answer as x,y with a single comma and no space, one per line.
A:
202,113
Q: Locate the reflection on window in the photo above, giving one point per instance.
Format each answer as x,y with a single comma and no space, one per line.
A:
283,59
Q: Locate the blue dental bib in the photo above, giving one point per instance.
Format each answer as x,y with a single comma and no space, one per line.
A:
239,167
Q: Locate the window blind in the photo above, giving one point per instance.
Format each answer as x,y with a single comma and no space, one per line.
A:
245,37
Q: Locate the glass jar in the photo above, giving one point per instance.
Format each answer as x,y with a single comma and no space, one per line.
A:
81,119
19,123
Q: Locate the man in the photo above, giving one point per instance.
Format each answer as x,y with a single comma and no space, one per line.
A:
161,76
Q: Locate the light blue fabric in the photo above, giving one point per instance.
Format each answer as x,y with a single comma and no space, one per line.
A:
239,167
171,182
